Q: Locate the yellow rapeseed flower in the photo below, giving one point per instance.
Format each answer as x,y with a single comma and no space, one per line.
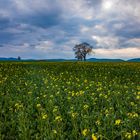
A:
128,135
44,116
54,131
132,115
134,132
85,81
98,122
55,110
138,97
44,95
117,122
94,137
69,98
38,105
74,114
135,115
81,92
85,132
105,96
86,107
73,93
132,103
58,118
18,105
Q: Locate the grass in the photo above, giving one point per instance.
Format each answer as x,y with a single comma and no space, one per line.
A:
66,100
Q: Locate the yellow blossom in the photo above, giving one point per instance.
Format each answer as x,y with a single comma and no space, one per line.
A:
68,98
105,96
117,122
94,137
85,132
74,114
81,92
54,131
128,135
58,118
17,105
44,95
134,132
85,81
44,116
98,122
73,93
86,107
138,97
55,110
133,115
132,103
38,105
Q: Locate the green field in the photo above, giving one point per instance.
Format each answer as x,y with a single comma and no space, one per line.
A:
69,101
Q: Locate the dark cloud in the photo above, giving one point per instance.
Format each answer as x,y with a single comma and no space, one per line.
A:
62,24
5,37
4,23
1,45
129,31
43,20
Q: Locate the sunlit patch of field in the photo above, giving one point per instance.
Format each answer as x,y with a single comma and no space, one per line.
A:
69,100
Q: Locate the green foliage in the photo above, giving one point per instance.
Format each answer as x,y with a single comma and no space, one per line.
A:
66,100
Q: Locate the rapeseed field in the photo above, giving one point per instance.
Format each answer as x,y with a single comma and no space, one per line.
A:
69,101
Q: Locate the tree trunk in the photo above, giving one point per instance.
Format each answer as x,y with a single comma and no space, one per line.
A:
84,57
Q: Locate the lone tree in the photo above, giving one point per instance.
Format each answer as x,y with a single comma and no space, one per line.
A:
19,58
82,50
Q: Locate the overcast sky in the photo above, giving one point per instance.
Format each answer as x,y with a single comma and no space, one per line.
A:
43,29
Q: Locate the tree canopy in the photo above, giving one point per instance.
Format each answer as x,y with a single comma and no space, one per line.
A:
81,50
